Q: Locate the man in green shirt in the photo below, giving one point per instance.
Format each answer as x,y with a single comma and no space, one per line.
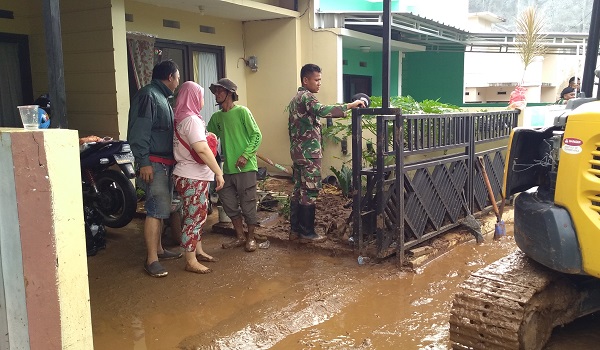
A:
240,137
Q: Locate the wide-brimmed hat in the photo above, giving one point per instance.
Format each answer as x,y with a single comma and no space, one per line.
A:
227,85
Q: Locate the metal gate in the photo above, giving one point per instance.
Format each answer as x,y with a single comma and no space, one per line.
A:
424,180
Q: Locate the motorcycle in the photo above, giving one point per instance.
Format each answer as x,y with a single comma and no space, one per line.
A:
107,190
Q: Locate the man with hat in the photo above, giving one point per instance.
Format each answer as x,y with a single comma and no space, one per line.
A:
240,137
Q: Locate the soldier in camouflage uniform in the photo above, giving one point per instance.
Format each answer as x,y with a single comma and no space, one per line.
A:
305,113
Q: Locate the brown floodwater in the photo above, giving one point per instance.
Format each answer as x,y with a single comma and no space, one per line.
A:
285,297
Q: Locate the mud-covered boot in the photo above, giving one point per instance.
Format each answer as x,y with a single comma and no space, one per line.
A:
250,241
306,219
294,224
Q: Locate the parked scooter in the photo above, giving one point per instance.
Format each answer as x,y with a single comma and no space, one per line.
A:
108,190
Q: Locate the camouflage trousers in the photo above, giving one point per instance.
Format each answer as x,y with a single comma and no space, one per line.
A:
307,180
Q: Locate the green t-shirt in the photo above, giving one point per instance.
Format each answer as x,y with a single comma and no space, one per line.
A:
239,135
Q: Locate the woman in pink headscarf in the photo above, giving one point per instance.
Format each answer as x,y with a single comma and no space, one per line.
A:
196,167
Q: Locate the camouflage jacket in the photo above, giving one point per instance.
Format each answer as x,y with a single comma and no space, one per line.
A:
304,123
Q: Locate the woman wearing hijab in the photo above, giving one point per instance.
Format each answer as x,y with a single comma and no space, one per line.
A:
196,167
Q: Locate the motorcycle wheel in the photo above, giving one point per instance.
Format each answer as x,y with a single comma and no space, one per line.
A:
117,200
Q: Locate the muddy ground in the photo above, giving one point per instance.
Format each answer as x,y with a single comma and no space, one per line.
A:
289,296
332,213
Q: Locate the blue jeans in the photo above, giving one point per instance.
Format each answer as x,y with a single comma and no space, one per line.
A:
159,192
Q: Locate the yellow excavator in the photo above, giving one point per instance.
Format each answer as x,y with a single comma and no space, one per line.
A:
554,174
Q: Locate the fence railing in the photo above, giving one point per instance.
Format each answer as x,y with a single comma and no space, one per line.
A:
424,181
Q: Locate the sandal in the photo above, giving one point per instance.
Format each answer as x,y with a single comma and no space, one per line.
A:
201,257
167,255
193,269
155,269
238,242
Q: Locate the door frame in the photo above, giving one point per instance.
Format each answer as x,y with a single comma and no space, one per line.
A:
22,42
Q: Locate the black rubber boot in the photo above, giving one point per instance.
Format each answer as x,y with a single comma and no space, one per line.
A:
306,219
294,224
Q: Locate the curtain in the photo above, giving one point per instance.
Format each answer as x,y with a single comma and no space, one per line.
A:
140,48
11,93
205,73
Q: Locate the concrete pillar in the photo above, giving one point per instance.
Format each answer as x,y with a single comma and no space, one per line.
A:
533,79
44,295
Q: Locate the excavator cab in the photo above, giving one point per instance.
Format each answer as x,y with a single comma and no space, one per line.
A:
515,302
553,173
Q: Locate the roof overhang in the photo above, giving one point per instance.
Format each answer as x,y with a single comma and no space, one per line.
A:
487,16
241,10
358,41
412,29
555,43
405,27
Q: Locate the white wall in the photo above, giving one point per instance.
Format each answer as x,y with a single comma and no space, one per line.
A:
545,78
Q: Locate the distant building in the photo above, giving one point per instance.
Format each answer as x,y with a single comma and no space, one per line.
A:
493,67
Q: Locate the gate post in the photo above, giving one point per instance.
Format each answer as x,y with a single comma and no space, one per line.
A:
399,152
470,132
44,294
356,180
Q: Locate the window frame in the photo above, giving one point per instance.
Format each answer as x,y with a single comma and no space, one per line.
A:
186,72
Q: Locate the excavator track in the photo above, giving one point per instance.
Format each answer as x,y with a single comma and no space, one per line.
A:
513,303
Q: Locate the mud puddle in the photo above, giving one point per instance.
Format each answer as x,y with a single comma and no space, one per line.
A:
284,297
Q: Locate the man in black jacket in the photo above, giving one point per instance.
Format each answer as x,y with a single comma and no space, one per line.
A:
150,134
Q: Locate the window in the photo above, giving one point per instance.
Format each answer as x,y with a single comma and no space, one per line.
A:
203,64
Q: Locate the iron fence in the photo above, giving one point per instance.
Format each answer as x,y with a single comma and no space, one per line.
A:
424,180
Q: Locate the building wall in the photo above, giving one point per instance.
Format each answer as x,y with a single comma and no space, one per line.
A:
452,13
324,48
25,13
90,67
373,68
44,289
228,33
433,75
121,71
96,71
265,92
270,89
354,58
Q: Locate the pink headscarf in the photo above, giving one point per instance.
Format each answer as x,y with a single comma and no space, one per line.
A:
189,101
